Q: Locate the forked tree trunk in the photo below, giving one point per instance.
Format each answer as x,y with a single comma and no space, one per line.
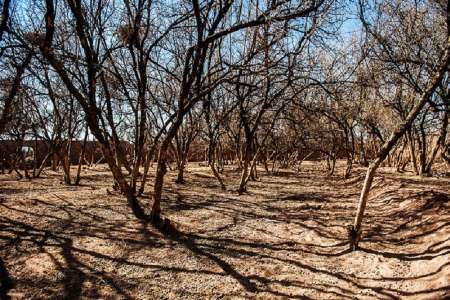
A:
161,169
212,165
433,154
211,160
355,229
147,165
124,187
244,175
331,164
148,161
182,157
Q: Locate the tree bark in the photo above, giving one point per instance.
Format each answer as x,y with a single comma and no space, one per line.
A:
412,151
81,158
212,165
180,174
41,167
246,162
161,168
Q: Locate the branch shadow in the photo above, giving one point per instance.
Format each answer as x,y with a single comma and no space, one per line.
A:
324,213
6,283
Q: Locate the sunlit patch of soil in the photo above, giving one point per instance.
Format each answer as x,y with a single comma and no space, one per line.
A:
284,238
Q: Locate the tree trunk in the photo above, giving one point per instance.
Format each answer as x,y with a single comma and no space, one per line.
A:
348,169
121,158
41,167
81,159
445,147
440,143
331,163
66,163
181,166
124,187
211,159
212,165
35,162
433,154
412,151
399,160
161,170
244,174
55,161
423,147
363,155
147,164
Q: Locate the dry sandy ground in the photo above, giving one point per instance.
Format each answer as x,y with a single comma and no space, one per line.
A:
285,238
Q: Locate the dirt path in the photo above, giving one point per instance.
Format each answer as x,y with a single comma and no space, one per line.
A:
285,239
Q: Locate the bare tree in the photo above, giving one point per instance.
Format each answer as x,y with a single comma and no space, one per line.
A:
434,82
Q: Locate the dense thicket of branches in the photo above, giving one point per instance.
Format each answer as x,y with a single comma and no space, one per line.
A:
250,82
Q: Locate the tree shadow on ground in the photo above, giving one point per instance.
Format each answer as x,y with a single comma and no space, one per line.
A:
220,251
388,227
6,283
60,227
